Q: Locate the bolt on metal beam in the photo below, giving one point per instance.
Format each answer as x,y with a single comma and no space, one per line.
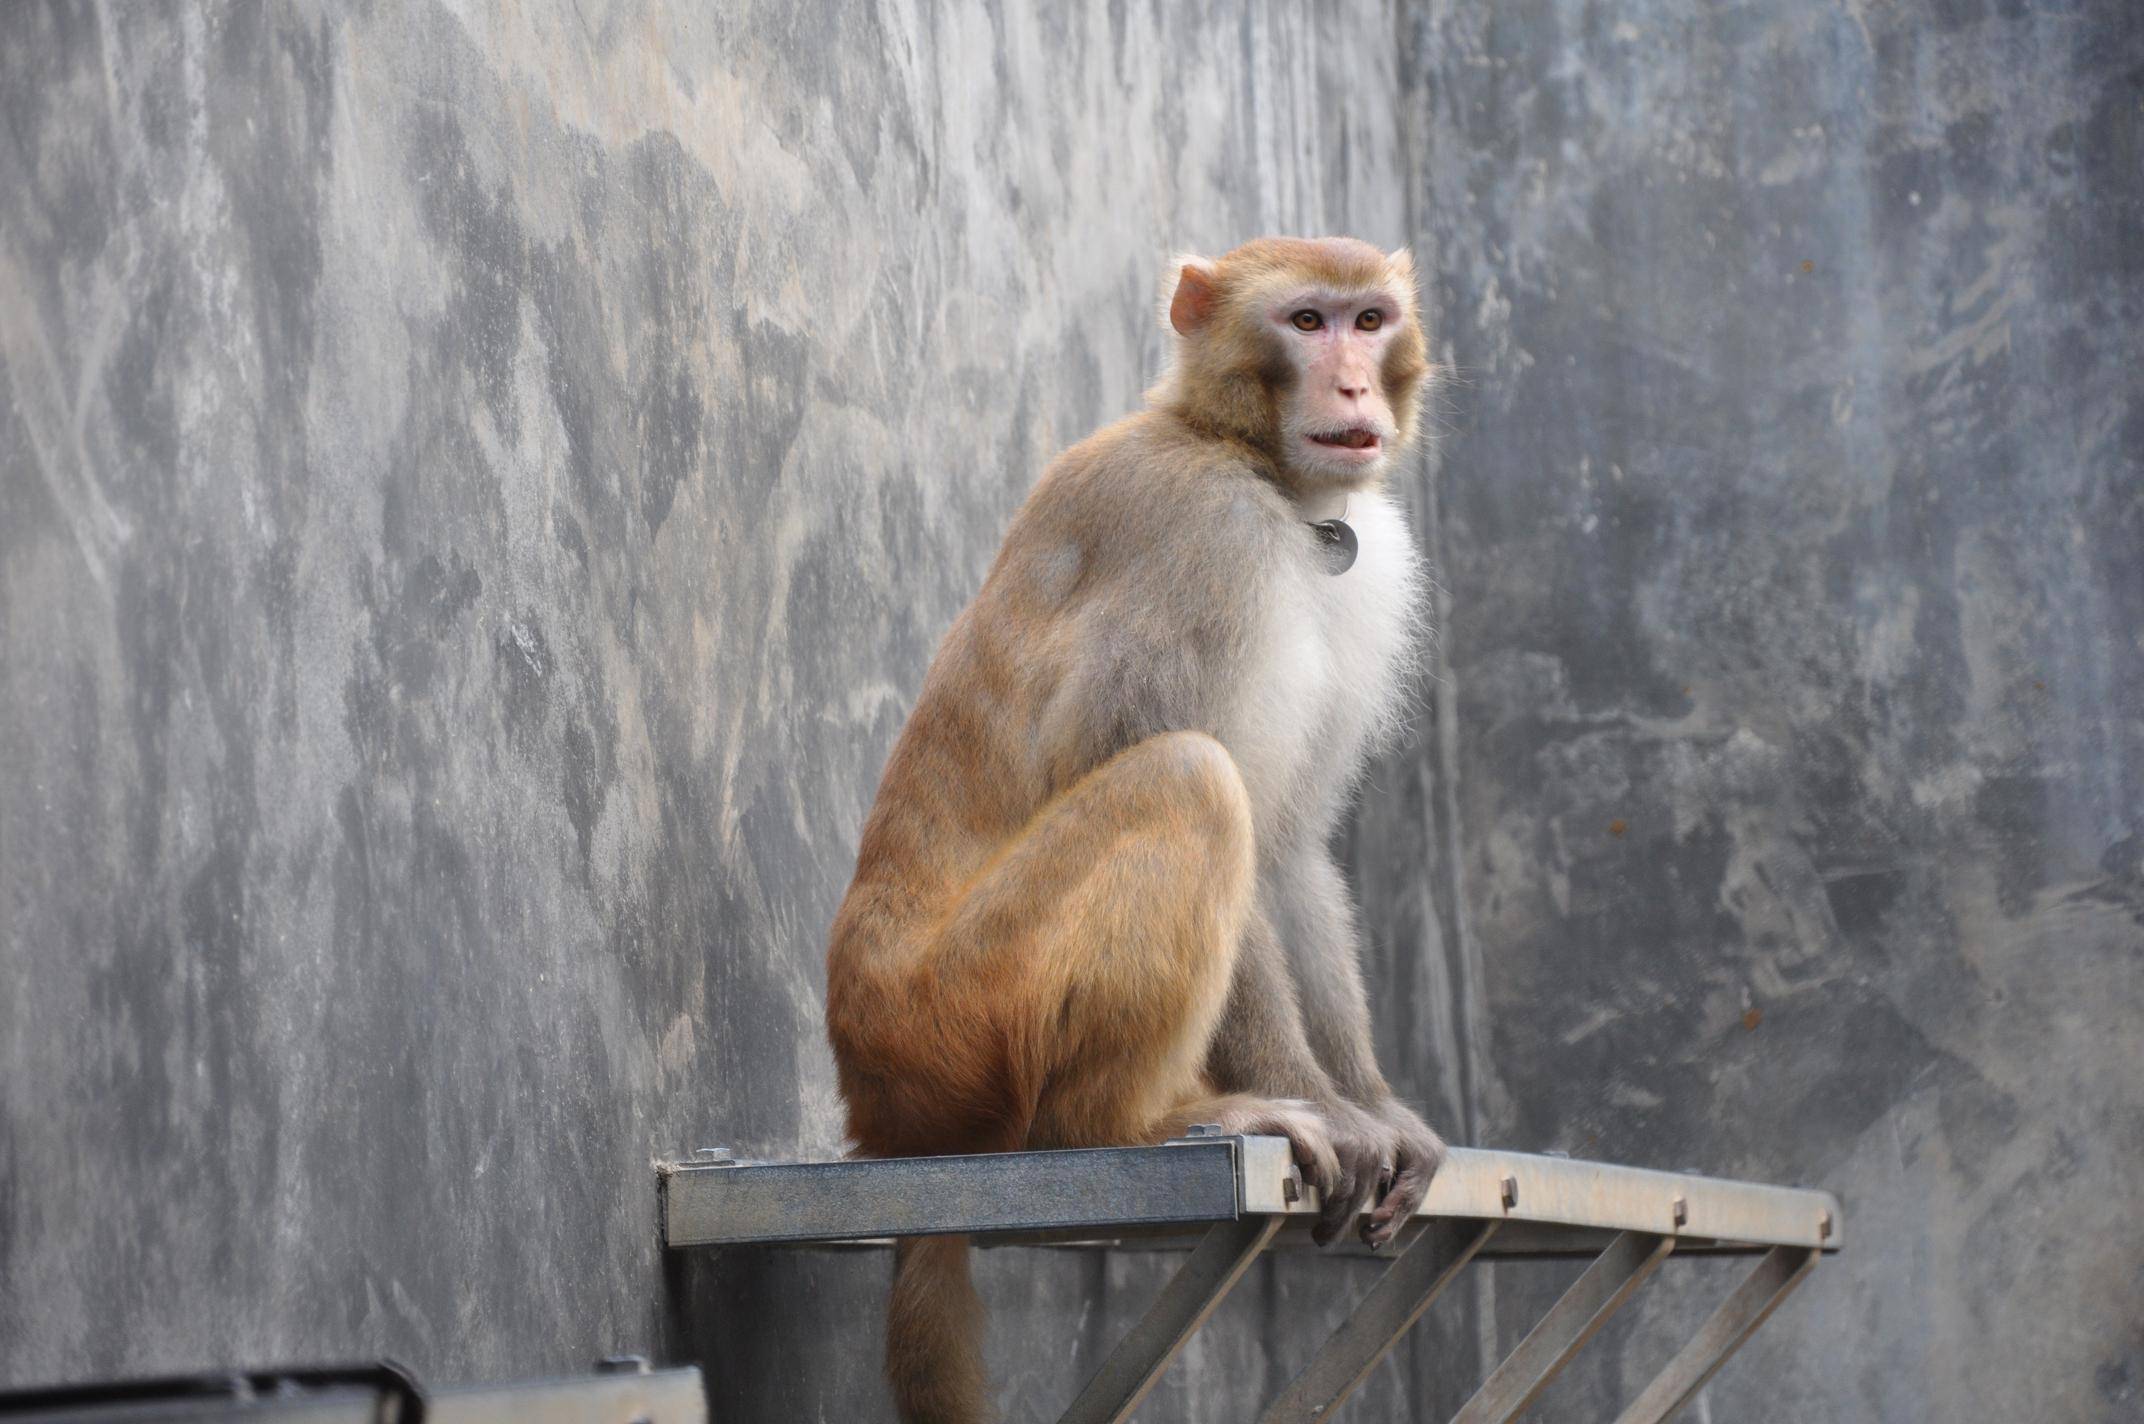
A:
1598,1293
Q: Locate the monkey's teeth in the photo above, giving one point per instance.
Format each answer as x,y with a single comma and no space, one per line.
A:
1349,439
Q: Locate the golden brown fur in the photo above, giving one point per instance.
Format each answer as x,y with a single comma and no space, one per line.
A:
1091,903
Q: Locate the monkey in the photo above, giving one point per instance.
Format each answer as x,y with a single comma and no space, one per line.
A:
1094,900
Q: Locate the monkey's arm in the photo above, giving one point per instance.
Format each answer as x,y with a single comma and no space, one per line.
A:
1316,921
1260,1045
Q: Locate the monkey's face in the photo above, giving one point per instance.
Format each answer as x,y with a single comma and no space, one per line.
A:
1307,348
1337,421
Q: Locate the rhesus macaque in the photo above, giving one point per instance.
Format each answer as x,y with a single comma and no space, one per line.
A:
1094,903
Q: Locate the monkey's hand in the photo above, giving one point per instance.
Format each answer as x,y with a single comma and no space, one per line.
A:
1363,1146
1412,1154
1310,1139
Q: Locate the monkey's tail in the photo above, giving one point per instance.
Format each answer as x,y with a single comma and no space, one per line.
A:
934,1334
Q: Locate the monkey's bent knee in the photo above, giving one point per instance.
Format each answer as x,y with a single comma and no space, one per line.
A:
1196,780
1199,772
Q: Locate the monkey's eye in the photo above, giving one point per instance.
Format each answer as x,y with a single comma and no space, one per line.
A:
1370,320
1307,320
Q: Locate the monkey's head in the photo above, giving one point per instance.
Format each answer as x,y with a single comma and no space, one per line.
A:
1309,350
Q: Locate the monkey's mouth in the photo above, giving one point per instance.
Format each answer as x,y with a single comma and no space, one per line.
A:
1359,441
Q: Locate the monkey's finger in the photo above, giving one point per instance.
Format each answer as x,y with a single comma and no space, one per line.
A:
1359,1166
1397,1206
1339,1207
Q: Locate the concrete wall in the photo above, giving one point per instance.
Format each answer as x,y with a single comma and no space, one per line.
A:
1792,513
482,483
479,484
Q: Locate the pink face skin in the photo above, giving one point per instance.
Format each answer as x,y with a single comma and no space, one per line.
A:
1341,423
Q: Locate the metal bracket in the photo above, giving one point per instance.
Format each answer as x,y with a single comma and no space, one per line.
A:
1430,1263
1723,1332
1602,1290
1216,1264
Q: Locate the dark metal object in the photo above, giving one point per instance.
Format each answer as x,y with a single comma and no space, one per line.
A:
1191,1295
377,1391
1431,1262
1340,544
380,1393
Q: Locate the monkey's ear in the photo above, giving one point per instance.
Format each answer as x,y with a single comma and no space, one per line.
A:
1401,261
1195,296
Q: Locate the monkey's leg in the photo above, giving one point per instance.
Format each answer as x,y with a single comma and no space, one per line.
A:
1101,943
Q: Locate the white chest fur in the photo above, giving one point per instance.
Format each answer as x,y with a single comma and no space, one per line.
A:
1326,674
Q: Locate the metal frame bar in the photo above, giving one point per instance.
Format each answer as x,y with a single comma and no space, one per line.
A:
1599,1292
1097,1193
1431,1262
1782,1269
1191,1295
726,1203
1243,1194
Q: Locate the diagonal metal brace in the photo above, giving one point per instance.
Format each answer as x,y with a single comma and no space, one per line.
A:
1216,1264
1603,1289
1723,1332
1430,1263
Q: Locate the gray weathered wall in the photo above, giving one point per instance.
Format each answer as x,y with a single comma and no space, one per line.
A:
1793,520
479,484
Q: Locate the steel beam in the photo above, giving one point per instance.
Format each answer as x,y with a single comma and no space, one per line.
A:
1723,1332
1598,1293
1190,1182
1430,1262
1129,1190
1519,1187
1191,1295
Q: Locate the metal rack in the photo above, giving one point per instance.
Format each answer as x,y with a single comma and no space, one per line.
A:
1230,1198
